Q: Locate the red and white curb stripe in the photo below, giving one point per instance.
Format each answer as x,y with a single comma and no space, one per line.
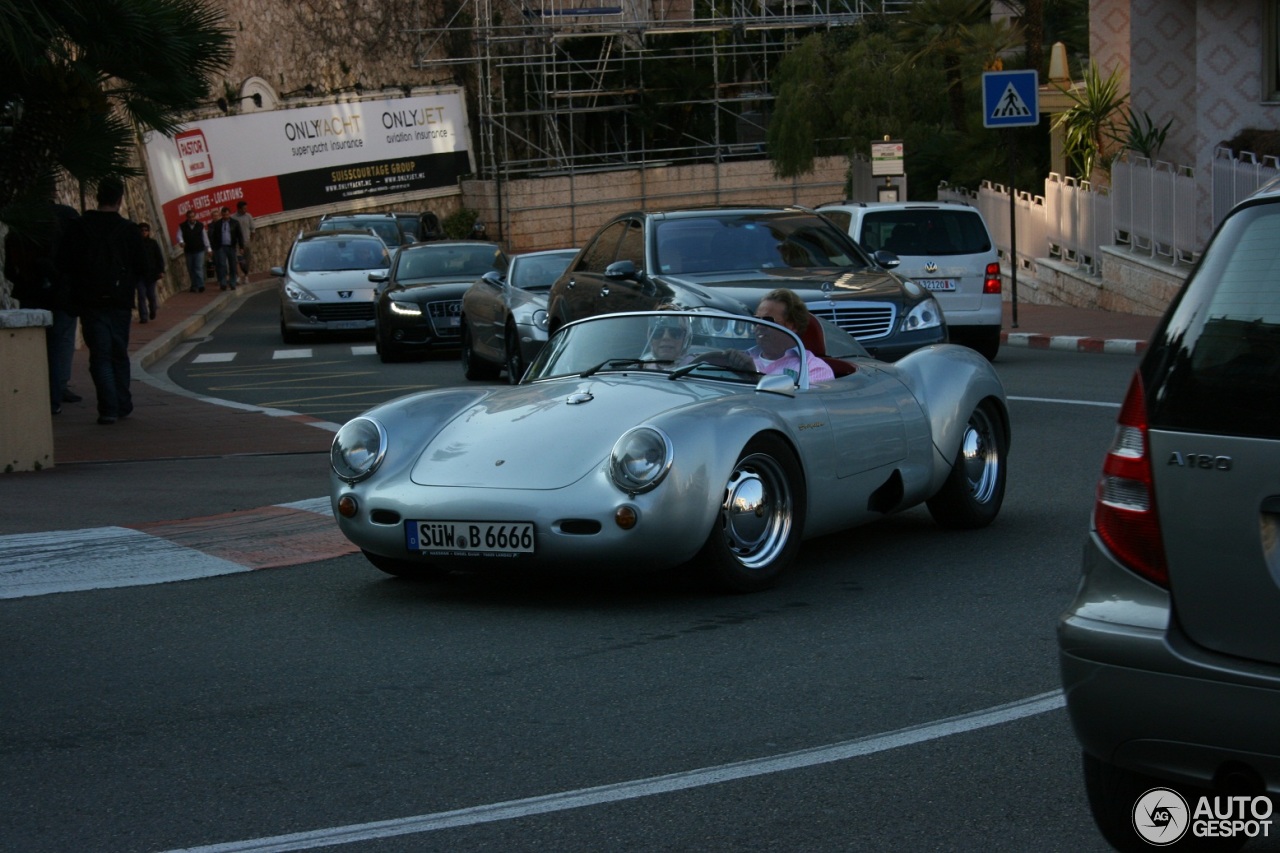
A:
159,552
1073,343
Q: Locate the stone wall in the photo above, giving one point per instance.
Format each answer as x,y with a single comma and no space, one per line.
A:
546,213
1128,283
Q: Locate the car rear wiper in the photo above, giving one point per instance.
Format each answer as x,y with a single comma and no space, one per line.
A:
612,363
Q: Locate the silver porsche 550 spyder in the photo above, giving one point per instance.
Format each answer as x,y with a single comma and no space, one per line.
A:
655,439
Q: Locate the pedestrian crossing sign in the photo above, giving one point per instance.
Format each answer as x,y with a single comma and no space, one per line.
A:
1010,99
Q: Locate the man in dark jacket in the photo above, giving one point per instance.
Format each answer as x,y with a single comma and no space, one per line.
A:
31,263
151,274
104,256
226,241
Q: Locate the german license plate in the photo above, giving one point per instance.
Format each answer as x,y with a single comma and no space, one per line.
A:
936,284
470,538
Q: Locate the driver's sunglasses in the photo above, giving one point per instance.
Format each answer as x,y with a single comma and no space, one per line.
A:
669,332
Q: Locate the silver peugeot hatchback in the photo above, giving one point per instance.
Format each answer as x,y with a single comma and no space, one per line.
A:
1170,652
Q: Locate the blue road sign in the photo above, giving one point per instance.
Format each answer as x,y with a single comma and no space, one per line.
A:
1010,98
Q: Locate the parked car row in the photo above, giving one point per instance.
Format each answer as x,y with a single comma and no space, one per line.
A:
840,259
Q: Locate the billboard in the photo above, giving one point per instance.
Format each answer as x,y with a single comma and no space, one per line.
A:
295,159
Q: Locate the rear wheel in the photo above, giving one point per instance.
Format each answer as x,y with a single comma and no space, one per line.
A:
758,527
404,568
1113,795
514,360
986,341
473,367
972,495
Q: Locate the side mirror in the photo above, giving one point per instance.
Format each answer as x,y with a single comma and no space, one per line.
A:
622,270
378,277
886,259
492,277
278,272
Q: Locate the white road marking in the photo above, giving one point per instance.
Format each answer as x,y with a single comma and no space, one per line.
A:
652,786
1066,402
364,349
97,558
213,357
291,353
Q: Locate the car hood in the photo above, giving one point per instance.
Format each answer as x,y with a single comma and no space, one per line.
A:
516,437
430,291
330,281
741,292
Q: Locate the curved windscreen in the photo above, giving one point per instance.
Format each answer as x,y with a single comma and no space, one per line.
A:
741,242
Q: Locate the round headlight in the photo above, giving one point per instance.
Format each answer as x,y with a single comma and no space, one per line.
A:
640,459
358,449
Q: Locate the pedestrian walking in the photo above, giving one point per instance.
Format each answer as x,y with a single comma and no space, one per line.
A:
31,263
103,256
152,272
245,220
194,241
226,242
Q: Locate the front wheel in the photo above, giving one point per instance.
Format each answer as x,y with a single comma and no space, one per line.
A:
404,568
473,367
761,518
288,335
974,490
514,360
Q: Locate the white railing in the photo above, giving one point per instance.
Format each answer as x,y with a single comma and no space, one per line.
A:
1150,208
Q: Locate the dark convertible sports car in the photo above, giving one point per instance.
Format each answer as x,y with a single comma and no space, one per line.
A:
728,258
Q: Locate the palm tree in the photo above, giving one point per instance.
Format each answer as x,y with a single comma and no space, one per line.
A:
78,76
943,27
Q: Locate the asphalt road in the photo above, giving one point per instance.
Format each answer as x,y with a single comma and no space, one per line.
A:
897,691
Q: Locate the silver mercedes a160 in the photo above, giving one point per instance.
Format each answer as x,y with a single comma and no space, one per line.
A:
655,439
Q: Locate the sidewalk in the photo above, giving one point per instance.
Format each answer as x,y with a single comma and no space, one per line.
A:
169,424
166,424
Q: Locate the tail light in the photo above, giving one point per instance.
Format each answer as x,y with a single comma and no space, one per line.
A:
991,281
1124,513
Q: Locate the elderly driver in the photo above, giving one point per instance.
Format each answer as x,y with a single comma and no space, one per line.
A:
775,352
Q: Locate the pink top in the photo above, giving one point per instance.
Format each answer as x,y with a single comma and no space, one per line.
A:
789,363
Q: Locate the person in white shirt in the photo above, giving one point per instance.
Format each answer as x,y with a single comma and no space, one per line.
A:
245,220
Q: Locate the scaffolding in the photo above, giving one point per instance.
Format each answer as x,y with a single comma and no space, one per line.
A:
566,86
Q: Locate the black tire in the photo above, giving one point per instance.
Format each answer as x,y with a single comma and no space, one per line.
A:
473,367
1114,791
387,352
404,568
514,365
974,490
986,341
289,337
760,521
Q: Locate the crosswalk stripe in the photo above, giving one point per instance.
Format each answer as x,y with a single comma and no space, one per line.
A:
34,564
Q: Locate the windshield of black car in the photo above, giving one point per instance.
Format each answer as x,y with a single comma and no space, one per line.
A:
357,253
437,260
726,243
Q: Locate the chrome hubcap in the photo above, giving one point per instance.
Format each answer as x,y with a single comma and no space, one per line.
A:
980,457
756,513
